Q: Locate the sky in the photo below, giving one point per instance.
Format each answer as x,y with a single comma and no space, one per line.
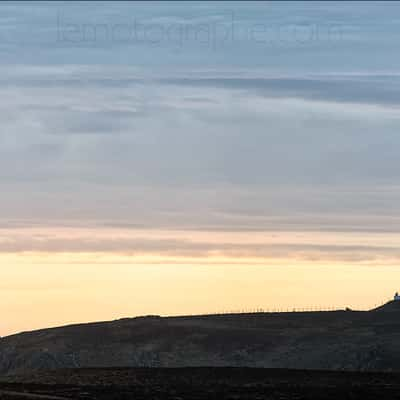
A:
179,158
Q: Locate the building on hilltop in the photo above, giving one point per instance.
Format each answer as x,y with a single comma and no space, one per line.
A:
396,296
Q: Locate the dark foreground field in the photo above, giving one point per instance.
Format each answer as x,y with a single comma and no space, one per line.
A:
201,383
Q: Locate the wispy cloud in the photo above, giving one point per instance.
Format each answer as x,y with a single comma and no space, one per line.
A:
206,247
211,153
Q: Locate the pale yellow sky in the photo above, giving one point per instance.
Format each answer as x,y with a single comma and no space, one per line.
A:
43,289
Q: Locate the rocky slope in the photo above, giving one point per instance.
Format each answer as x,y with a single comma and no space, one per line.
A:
350,340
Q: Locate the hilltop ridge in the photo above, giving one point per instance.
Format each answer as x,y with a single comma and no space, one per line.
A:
390,306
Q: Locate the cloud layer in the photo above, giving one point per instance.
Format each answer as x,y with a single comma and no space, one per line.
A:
272,129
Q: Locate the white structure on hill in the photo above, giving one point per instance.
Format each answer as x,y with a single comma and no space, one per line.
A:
396,296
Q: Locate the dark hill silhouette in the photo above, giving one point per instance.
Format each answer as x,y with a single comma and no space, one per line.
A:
349,340
391,306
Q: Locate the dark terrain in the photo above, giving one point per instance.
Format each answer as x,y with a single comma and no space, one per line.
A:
201,384
333,340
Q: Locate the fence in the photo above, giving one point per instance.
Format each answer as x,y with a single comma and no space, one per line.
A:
274,310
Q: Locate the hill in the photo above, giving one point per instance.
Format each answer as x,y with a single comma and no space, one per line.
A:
341,340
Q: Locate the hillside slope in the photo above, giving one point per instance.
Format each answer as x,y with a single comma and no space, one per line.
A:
351,340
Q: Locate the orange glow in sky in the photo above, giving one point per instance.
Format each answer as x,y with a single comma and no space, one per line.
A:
43,289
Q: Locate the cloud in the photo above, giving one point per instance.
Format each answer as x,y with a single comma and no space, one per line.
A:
143,245
228,153
379,90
